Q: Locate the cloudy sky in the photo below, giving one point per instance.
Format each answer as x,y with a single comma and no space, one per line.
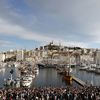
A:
31,23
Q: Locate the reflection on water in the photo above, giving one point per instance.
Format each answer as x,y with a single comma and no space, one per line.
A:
49,77
89,77
5,74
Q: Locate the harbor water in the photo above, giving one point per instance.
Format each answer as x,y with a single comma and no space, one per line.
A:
48,77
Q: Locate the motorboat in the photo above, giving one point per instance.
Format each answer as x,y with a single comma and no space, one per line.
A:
93,65
90,69
27,79
97,71
26,83
83,68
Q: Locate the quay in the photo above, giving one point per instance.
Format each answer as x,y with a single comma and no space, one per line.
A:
82,83
68,77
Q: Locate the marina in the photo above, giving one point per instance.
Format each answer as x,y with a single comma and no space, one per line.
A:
90,69
50,50
48,77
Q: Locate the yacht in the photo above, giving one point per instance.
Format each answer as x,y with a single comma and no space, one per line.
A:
83,68
97,71
90,69
27,79
26,82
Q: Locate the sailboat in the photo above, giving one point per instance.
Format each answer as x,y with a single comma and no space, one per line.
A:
68,76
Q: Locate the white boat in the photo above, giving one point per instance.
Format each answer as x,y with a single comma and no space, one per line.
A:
27,79
97,70
83,64
93,65
26,83
90,69
83,68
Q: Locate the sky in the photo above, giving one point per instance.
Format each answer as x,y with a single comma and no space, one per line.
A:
27,24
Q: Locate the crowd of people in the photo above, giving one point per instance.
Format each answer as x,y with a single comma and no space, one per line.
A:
51,93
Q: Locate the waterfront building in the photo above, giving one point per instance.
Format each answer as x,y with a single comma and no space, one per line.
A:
28,53
98,57
73,60
55,53
20,55
36,52
86,58
10,54
6,55
44,53
2,56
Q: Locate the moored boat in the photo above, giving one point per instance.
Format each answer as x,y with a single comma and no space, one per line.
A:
97,71
68,78
27,79
26,82
90,69
83,68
